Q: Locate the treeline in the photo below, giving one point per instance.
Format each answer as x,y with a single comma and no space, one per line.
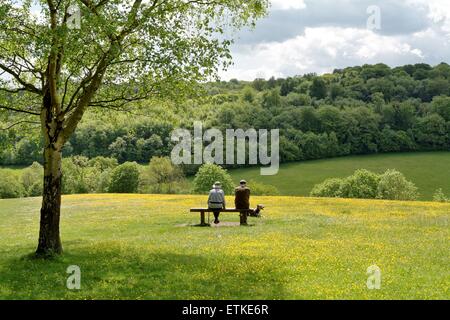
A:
309,132
106,175
135,139
357,110
98,175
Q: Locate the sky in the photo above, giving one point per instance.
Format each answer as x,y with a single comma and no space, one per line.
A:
304,36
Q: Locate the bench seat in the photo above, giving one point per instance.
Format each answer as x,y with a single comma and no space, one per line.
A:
243,213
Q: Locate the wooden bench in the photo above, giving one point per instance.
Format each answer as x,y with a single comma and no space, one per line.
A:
243,213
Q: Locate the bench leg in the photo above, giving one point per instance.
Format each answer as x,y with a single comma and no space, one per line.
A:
202,219
243,218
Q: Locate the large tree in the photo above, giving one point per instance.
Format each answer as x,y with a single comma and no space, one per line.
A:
60,58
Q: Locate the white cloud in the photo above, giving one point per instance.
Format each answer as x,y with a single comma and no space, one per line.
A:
438,11
330,34
288,4
321,50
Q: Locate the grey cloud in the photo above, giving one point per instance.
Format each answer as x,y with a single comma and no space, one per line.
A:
397,18
279,45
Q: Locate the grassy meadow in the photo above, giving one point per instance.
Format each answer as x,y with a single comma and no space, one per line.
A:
428,170
144,247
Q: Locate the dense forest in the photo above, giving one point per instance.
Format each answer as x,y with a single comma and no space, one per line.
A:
356,110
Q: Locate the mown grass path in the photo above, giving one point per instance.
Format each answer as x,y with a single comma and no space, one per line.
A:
135,246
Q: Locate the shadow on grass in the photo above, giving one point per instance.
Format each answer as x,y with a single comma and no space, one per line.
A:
114,271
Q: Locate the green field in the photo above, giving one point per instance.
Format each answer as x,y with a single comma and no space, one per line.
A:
143,247
429,171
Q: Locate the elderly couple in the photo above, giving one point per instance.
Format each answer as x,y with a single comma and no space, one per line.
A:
216,199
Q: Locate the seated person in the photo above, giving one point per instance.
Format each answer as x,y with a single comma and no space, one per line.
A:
242,196
216,200
242,199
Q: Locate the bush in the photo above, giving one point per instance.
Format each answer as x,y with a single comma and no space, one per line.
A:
330,188
102,163
77,176
103,182
210,173
363,184
101,167
439,196
36,189
125,178
81,175
394,186
162,176
261,189
32,180
28,150
10,187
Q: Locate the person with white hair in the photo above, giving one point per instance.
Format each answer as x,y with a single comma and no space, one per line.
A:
216,200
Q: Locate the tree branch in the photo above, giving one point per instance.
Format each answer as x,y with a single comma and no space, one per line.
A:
29,87
95,81
20,110
17,123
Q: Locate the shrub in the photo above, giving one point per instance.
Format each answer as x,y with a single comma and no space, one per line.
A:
394,186
36,189
362,184
261,189
161,176
210,173
77,176
439,196
81,175
125,178
28,150
32,180
10,187
103,163
98,175
330,188
103,182
391,185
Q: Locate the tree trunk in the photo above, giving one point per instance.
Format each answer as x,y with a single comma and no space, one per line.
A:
49,238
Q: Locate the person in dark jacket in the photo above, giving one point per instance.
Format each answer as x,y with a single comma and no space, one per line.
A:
242,196
242,199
